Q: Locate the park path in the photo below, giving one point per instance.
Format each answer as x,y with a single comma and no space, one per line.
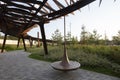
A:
16,65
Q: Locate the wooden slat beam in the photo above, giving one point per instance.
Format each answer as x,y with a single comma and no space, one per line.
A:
67,2
18,6
58,4
69,9
47,5
72,1
23,1
34,15
45,10
18,10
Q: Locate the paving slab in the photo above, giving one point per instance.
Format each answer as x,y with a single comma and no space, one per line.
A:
16,65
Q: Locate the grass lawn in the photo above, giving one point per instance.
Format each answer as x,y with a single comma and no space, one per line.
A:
102,59
11,47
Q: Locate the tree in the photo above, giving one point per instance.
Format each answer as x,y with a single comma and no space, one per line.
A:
116,39
106,41
56,36
84,35
89,38
74,40
94,37
68,37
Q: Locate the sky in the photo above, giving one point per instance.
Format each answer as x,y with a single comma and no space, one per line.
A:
105,19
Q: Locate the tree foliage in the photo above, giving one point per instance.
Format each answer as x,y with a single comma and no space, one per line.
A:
84,35
116,39
68,36
93,38
56,36
89,38
74,40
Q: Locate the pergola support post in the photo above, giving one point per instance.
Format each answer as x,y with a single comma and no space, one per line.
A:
31,42
3,45
38,39
43,38
18,42
24,43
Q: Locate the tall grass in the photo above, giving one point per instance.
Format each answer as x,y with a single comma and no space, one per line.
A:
104,59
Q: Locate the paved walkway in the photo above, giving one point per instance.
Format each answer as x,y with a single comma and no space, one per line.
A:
16,65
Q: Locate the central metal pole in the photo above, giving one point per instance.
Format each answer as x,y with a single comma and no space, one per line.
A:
64,32
65,64
65,60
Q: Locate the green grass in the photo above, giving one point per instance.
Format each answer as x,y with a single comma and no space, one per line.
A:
11,47
102,59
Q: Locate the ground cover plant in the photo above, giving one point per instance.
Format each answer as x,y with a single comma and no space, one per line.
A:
99,58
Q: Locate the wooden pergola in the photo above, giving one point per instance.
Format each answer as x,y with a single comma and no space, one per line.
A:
17,17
